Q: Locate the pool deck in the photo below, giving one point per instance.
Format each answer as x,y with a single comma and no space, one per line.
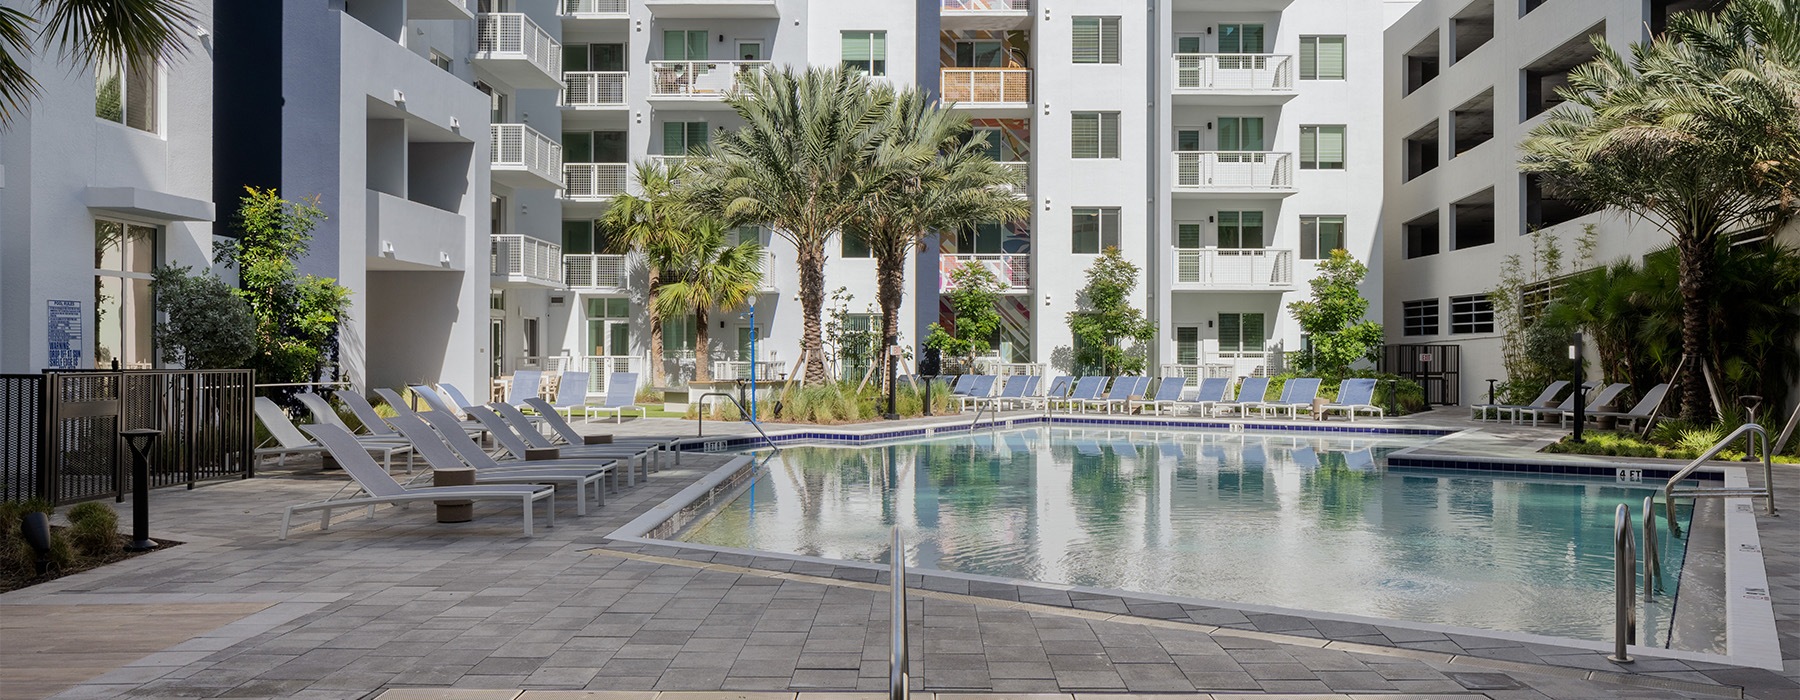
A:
401,603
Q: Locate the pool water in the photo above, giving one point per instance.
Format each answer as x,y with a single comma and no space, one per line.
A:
1311,523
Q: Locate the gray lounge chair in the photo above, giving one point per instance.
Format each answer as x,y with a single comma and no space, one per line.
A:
564,432
1641,412
373,423
1544,398
980,389
1168,393
1014,390
519,422
324,413
526,383
472,454
517,440
1601,400
382,488
571,395
1252,393
436,451
291,441
1296,394
1354,395
621,396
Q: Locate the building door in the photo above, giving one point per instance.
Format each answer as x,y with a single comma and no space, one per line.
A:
749,50
497,345
496,215
1188,140
609,327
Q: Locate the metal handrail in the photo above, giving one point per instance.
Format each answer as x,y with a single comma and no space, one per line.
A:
1652,557
899,676
1624,585
1746,429
700,413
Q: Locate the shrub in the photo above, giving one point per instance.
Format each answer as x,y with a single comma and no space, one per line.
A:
94,529
206,325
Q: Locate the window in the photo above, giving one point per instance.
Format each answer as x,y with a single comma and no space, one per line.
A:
496,300
747,233
863,333
1096,40
531,340
1322,147
684,45
1420,317
1094,229
1240,133
126,96
866,51
609,326
683,138
1472,314
1240,334
853,245
981,54
1240,229
981,239
679,334
1187,345
1319,235
1188,235
440,60
1240,38
124,309
1421,236
1095,134
1321,58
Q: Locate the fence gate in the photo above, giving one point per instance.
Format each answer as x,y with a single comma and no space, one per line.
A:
21,435
1437,368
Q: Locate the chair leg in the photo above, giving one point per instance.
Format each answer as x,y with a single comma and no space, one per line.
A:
529,514
580,498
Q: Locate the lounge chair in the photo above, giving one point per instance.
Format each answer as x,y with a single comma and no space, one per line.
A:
1058,389
456,398
435,401
1641,412
291,441
1168,393
1212,391
564,432
1601,400
1119,395
373,423
472,454
1544,398
1086,389
576,445
324,413
382,488
571,395
980,389
516,441
1354,395
526,383
1296,394
621,396
1014,390
393,400
436,451
1252,393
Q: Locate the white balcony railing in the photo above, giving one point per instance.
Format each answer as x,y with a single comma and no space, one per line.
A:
987,5
986,86
1221,366
766,370
1234,268
1013,269
594,89
1234,170
705,79
576,8
1023,168
595,271
1234,72
501,35
525,259
594,180
600,369
518,147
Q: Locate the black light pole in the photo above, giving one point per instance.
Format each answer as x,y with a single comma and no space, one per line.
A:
1580,396
140,441
1491,391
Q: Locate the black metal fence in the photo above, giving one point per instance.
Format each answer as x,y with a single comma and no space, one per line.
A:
63,445
1436,368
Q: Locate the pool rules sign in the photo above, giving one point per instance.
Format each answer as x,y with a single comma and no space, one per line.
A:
64,330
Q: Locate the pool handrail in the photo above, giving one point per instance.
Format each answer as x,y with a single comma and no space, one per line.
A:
700,414
1652,558
899,680
1624,585
1748,431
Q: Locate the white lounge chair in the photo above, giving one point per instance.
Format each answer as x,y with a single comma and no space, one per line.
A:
1252,393
1354,395
1123,388
571,395
515,445
1167,394
1641,412
1601,400
1058,390
381,488
438,454
564,432
1480,411
522,425
1017,391
472,454
324,413
292,441
373,423
621,396
526,383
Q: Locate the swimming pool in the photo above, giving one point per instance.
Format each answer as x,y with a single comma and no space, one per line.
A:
1313,522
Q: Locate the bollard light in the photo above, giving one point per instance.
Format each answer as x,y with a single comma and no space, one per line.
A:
140,441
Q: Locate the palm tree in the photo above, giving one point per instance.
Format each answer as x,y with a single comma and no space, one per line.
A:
653,223
1695,133
130,33
707,273
797,166
931,178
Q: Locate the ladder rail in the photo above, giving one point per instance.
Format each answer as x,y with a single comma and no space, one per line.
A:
1754,436
700,415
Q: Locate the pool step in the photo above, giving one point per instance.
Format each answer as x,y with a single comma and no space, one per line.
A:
1719,492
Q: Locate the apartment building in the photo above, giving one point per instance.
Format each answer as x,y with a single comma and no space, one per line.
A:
1472,78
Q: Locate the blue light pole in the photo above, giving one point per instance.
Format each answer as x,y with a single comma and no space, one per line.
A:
753,359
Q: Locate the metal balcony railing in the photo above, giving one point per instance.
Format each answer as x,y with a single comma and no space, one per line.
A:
766,370
1234,72
594,89
520,147
1234,170
1234,268
986,5
1013,269
986,86
1023,168
504,34
526,259
596,271
594,7
706,79
594,180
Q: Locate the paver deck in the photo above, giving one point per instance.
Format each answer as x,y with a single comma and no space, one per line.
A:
403,602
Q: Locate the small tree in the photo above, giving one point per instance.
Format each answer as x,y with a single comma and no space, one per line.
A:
975,316
1106,319
296,315
707,272
1523,335
207,326
856,347
1334,318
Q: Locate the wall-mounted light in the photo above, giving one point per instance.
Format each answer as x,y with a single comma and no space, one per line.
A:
721,38
455,123
387,248
524,209
443,258
399,99
1209,30
1209,218
1209,126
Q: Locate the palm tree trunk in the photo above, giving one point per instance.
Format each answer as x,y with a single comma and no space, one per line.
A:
656,330
1698,260
702,346
890,292
811,259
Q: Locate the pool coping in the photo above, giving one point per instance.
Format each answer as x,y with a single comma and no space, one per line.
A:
1751,637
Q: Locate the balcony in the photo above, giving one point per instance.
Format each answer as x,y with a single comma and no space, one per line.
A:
1023,168
524,261
698,82
984,15
712,9
1233,270
1013,270
1233,78
524,158
997,91
1246,173
515,49
594,90
582,13
439,9
594,181
596,272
